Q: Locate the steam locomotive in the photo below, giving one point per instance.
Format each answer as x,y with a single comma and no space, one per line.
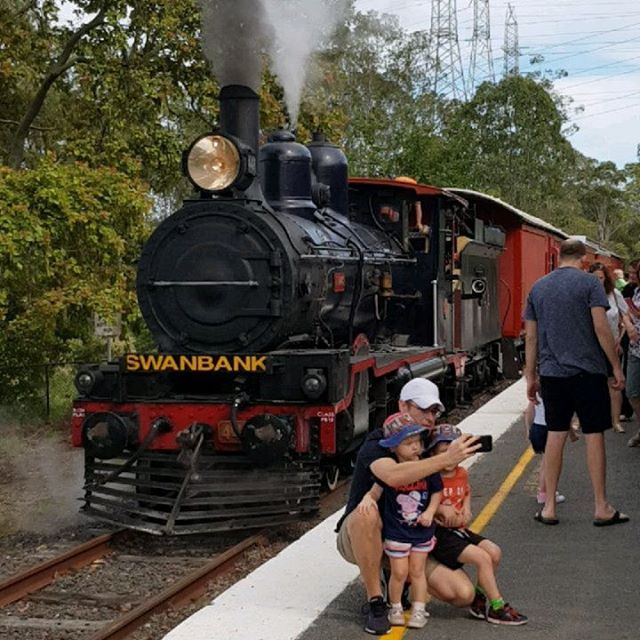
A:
289,304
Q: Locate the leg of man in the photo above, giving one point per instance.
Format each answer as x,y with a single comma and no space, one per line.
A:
597,464
453,587
552,468
558,395
365,536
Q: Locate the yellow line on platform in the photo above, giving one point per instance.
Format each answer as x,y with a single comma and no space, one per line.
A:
500,495
483,518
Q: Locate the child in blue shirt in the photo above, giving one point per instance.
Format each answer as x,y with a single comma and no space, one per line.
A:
408,525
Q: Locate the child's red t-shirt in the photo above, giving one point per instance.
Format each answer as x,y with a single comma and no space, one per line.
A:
455,489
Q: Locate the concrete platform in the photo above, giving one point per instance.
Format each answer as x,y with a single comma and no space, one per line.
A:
574,581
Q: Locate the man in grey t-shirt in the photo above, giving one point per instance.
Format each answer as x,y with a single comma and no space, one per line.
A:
568,344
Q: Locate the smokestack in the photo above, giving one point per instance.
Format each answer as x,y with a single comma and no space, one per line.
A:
240,114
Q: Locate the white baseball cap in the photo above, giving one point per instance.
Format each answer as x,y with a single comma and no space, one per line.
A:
423,392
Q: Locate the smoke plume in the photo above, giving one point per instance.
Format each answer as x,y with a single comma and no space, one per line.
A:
237,34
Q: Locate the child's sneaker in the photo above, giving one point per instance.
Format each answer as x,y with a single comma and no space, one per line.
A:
542,497
377,622
396,616
478,608
506,615
418,619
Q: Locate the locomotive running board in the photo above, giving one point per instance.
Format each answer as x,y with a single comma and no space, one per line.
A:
225,493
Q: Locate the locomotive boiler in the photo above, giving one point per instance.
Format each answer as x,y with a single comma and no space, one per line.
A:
288,306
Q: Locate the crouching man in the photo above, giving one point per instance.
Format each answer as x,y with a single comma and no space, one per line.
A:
360,534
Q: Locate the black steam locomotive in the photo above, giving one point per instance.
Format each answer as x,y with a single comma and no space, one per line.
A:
288,305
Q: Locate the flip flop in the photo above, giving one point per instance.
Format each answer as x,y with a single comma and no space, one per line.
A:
616,518
540,518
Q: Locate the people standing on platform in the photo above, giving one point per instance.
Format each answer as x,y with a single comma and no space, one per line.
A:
359,538
407,521
568,343
620,324
536,425
457,545
627,294
619,282
633,362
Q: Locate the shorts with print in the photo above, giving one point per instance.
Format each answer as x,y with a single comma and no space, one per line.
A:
451,543
395,549
585,394
632,385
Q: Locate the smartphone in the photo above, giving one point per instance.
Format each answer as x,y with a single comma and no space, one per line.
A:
486,443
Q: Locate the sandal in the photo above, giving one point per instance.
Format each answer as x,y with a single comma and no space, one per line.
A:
616,518
540,518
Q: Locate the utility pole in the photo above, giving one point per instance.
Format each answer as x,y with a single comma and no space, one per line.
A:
511,48
448,76
481,65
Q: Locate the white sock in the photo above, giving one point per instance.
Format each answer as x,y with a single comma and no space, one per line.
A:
396,605
415,606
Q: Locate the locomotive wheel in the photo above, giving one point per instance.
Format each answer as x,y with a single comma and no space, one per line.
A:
331,476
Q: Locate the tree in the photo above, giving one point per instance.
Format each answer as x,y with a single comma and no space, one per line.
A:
601,193
508,140
70,237
38,18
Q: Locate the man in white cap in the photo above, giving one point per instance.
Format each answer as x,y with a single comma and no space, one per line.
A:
360,534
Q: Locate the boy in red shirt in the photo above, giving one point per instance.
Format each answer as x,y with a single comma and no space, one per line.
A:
457,545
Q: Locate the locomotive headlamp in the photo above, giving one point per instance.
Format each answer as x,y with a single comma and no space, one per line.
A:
314,383
213,163
86,380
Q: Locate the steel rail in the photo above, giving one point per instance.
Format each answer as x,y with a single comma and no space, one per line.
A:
181,593
22,584
185,590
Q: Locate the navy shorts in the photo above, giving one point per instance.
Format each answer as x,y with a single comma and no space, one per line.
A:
451,543
538,437
586,394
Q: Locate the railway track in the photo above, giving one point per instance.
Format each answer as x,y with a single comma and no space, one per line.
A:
28,586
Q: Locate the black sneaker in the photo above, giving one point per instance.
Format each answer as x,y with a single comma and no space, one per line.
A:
478,608
377,621
506,615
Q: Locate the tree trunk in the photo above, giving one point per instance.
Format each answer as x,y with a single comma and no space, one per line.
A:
56,69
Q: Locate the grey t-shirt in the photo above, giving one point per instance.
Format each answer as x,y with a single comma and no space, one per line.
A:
561,304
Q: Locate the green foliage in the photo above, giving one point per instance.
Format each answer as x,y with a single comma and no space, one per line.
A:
131,92
69,236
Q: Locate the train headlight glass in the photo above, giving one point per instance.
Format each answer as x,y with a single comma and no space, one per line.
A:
313,384
84,382
213,163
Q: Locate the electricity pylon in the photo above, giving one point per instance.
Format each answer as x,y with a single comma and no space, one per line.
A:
481,64
511,48
448,76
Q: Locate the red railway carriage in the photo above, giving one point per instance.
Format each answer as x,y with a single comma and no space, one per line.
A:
531,251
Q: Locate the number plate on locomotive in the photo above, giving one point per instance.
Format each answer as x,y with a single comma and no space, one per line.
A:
153,363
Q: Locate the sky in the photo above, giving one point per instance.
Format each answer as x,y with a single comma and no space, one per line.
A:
596,42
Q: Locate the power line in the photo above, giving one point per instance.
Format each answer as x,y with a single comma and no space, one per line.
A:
602,113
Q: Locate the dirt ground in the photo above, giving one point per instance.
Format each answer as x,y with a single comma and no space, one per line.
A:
40,479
